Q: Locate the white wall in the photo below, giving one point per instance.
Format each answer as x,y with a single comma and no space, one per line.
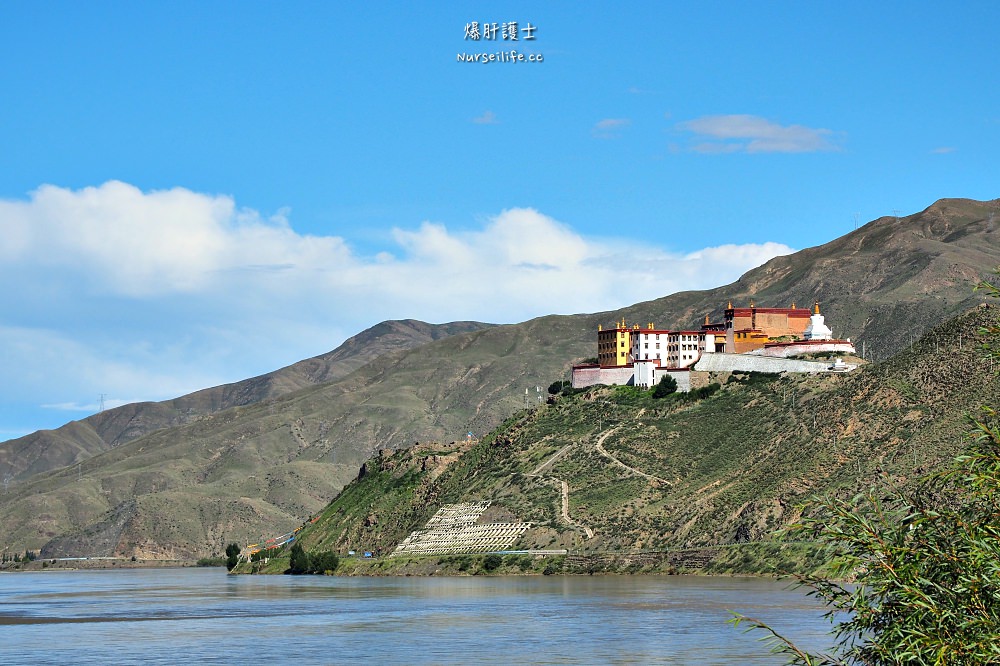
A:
748,363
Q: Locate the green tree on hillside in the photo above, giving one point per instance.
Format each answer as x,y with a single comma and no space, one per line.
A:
298,562
232,556
301,562
925,564
323,562
492,562
666,386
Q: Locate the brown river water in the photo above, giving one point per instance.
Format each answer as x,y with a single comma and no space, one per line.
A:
171,616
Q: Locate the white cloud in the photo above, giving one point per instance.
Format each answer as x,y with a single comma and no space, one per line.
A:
149,295
133,243
753,134
488,118
943,150
610,128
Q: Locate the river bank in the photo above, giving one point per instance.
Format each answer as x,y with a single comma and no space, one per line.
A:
770,559
92,563
753,559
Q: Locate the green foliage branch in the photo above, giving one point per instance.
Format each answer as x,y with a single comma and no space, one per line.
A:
925,564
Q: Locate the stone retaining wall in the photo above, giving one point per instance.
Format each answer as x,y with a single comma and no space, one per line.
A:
747,363
591,375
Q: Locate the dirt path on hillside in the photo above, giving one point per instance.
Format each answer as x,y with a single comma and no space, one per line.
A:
563,490
554,457
600,449
564,487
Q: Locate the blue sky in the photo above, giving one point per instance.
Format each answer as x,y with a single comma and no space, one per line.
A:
193,193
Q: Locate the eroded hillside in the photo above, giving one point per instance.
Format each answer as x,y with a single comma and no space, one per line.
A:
643,474
265,467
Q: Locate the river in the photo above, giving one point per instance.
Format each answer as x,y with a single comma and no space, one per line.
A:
171,616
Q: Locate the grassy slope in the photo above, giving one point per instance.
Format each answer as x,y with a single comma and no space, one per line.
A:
734,466
878,283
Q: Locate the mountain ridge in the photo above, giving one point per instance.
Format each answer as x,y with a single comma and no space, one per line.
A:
262,468
78,440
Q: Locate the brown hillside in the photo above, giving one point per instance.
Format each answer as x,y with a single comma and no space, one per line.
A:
262,468
78,440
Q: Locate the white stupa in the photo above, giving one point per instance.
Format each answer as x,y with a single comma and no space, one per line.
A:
817,329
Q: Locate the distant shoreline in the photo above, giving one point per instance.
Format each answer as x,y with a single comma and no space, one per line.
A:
91,564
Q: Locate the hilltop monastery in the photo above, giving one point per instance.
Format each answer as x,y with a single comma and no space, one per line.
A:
750,338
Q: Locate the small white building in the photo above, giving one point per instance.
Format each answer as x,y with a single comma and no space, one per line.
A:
817,328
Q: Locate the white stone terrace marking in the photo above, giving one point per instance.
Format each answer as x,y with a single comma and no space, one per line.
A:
453,529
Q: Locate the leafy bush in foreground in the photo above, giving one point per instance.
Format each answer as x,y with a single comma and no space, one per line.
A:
926,564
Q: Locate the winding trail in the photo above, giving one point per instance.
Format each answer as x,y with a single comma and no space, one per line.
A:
563,490
564,487
600,449
554,457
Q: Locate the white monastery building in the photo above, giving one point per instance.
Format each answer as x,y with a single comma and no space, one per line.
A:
642,356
